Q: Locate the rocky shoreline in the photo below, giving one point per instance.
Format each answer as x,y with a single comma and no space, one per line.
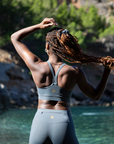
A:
17,89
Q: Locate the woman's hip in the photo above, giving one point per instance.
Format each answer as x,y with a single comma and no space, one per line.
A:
52,116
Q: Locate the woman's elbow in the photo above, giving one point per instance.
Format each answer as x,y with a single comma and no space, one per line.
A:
97,98
12,37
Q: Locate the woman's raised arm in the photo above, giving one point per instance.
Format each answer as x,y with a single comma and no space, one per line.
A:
28,57
88,89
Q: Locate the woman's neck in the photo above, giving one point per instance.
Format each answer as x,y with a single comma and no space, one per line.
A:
55,59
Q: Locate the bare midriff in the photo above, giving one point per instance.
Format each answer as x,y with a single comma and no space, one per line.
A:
54,105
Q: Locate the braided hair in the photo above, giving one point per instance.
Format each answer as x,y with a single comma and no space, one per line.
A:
66,46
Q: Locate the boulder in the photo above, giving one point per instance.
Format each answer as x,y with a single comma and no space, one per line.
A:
3,68
4,97
79,96
18,73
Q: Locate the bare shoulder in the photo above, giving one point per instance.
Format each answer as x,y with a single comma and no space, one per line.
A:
76,72
40,69
79,73
69,76
40,66
72,69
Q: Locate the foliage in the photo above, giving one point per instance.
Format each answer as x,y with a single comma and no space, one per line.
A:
16,14
91,20
62,14
107,31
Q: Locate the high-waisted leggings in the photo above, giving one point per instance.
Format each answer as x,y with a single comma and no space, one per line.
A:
52,127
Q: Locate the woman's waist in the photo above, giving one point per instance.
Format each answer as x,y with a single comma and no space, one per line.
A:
54,97
55,105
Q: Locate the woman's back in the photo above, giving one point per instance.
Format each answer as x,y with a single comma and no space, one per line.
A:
43,75
43,78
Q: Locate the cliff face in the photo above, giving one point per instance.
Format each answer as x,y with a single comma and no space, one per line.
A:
17,88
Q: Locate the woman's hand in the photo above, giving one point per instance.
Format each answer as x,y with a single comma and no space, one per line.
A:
47,22
107,64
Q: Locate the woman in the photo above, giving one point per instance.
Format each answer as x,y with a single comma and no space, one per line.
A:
55,80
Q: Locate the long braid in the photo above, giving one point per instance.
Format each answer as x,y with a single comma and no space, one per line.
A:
66,47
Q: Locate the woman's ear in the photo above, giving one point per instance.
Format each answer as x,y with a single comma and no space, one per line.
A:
47,45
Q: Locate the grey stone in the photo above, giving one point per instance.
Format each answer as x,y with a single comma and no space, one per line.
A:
4,97
18,73
3,68
79,96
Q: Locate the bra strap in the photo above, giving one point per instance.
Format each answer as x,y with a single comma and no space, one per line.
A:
56,76
51,70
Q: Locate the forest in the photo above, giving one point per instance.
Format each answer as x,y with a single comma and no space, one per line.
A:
17,14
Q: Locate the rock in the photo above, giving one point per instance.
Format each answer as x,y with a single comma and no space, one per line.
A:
112,103
4,97
5,56
93,103
24,97
12,101
14,94
79,96
106,98
84,103
23,107
74,102
3,68
106,104
22,93
108,43
98,103
18,73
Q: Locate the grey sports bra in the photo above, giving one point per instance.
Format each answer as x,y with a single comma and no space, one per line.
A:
54,92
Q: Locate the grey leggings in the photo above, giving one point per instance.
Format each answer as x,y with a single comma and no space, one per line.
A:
52,127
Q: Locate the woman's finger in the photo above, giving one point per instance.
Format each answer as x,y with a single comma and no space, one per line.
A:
108,61
47,21
53,21
103,62
48,25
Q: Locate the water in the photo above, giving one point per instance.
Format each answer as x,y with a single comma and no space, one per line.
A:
93,125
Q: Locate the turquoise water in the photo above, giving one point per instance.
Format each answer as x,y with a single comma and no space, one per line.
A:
93,125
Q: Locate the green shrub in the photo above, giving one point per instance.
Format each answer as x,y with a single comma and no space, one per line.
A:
62,14
107,31
18,14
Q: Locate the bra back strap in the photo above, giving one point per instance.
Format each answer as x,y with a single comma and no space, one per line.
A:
51,70
56,76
